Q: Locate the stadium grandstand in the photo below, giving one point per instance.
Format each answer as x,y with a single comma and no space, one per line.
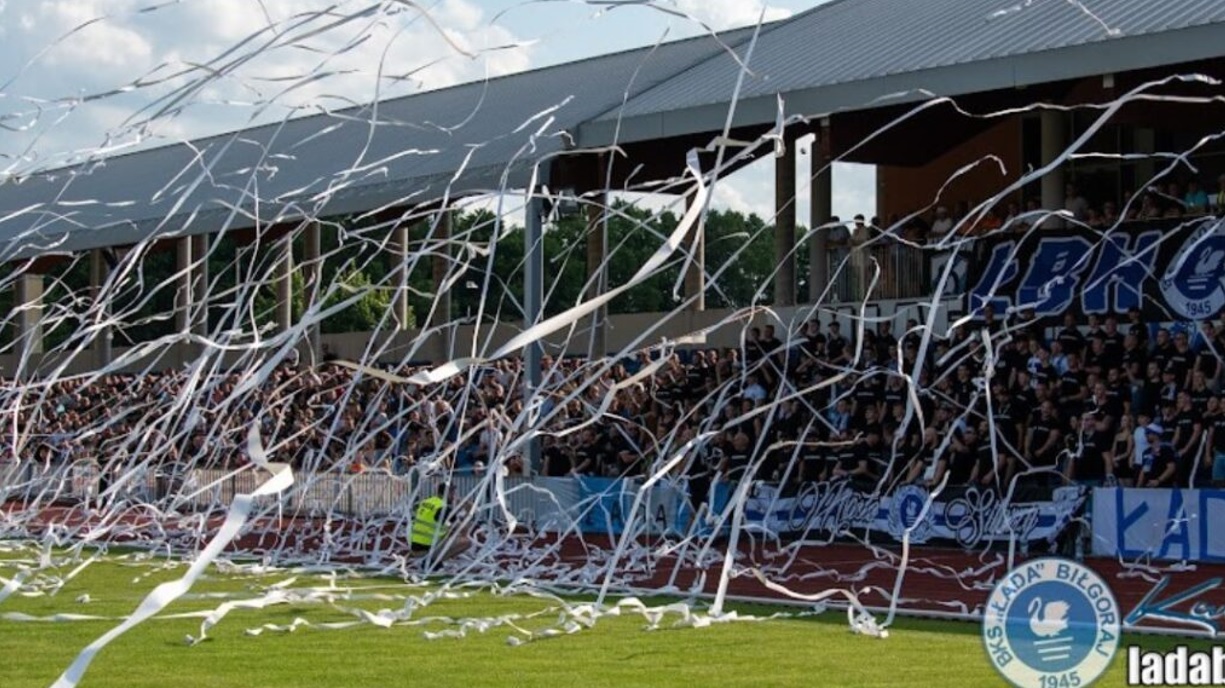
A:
1033,314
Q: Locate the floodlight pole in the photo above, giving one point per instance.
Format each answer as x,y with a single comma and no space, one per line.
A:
533,307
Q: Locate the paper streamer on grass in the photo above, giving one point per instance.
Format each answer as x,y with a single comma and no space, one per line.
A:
158,461
280,478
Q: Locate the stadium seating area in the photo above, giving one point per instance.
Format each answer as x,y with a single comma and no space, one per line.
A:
1096,401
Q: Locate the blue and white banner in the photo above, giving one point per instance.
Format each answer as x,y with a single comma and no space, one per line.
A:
605,504
1172,270
968,517
1170,524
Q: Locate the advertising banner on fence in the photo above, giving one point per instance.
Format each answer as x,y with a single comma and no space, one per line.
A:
1177,525
969,517
1173,270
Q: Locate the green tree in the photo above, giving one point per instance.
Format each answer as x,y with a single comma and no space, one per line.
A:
367,313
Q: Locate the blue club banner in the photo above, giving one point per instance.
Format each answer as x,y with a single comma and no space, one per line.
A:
1167,524
1172,270
968,517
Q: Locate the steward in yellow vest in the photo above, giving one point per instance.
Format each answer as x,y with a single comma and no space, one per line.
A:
427,528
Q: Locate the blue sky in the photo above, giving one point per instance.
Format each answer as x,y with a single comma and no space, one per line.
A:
82,76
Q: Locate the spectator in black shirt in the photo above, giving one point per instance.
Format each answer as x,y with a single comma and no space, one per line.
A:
753,351
557,462
1095,327
837,348
1181,361
1214,420
1160,465
1088,463
1072,390
960,462
1070,336
1137,327
1135,356
866,397
736,462
886,343
1095,360
1043,443
1113,340
894,393
912,336
1200,392
814,339
920,457
1208,358
1163,348
1102,403
1188,431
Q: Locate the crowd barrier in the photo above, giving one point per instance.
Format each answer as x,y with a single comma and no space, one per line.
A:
966,517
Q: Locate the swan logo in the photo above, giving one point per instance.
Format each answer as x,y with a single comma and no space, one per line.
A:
1194,284
1051,623
904,510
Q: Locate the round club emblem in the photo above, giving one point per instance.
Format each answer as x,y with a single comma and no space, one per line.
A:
1051,623
904,509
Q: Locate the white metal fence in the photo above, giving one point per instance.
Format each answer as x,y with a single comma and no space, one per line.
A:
549,504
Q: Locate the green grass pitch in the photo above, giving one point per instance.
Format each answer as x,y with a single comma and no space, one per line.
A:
617,651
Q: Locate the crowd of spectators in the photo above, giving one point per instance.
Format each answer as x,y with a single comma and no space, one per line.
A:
1090,402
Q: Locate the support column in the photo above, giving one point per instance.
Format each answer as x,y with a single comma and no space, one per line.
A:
695,272
442,293
183,292
28,302
284,284
533,309
784,226
1054,143
199,281
821,211
1144,141
400,306
312,272
102,339
597,274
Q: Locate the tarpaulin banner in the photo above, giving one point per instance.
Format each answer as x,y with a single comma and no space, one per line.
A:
1170,524
969,517
1172,270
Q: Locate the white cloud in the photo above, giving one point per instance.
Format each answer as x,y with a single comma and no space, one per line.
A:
725,14
293,54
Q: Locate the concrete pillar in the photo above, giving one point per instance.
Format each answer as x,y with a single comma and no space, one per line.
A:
822,209
400,305
102,339
597,274
695,272
784,227
1054,143
1144,140
199,283
312,272
442,293
183,292
284,283
28,302
533,311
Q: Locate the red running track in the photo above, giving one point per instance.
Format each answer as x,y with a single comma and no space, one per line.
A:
937,581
